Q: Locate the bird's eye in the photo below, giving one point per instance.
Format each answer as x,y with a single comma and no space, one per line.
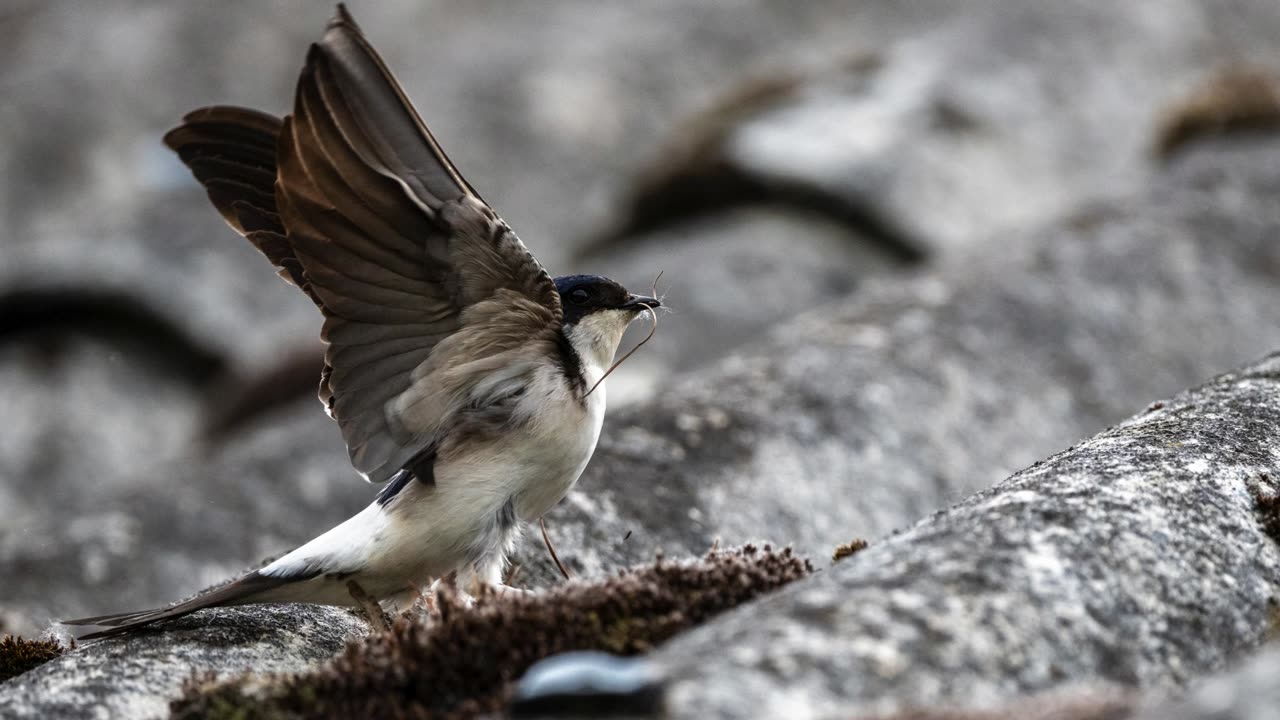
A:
579,297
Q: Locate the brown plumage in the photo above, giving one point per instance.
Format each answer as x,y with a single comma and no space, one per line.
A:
353,201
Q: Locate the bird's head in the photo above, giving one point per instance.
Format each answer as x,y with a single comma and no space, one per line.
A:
597,311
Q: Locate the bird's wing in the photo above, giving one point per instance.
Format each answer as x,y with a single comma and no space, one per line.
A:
428,296
232,152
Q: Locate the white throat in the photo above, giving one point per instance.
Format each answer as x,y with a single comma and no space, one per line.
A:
596,337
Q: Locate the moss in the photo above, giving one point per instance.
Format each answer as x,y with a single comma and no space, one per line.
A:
853,547
1239,98
461,661
18,656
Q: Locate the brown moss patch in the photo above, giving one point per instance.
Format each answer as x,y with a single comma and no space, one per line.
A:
18,655
853,547
1239,98
462,661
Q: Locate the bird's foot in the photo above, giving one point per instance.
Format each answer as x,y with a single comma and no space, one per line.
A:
370,606
505,591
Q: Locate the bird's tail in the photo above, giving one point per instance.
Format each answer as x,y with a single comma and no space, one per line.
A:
250,588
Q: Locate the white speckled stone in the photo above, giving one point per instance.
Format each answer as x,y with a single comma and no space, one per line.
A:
1250,691
1135,558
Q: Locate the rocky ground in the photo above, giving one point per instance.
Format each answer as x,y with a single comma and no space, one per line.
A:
916,252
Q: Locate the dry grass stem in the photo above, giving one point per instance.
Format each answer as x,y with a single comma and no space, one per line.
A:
546,539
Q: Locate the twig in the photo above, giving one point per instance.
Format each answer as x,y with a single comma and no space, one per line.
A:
632,351
653,314
554,557
371,607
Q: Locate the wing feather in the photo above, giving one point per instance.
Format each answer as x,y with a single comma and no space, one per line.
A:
431,303
371,198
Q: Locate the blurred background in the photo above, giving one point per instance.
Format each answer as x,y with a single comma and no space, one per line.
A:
161,430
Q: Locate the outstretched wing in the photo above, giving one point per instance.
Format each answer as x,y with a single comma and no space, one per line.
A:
428,296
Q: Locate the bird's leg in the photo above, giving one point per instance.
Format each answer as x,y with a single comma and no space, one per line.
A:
487,577
428,599
509,591
369,605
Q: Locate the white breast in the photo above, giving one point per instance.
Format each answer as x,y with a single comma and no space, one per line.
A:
559,440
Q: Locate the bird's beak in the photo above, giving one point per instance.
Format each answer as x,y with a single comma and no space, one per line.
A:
634,302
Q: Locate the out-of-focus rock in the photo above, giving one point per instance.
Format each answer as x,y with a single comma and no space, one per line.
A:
930,144
136,676
857,417
972,120
1250,691
546,109
728,279
959,131
1136,558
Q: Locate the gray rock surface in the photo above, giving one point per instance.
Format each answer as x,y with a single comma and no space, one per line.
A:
135,677
1136,558
976,125
1250,691
989,118
859,417
984,120
963,130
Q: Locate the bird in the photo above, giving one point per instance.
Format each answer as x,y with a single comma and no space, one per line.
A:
464,379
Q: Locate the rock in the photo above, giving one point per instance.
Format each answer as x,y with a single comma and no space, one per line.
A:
928,143
975,127
856,418
136,676
959,131
965,113
587,684
729,278
1136,558
1250,691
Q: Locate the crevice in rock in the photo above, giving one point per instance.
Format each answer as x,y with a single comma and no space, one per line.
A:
46,315
696,178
